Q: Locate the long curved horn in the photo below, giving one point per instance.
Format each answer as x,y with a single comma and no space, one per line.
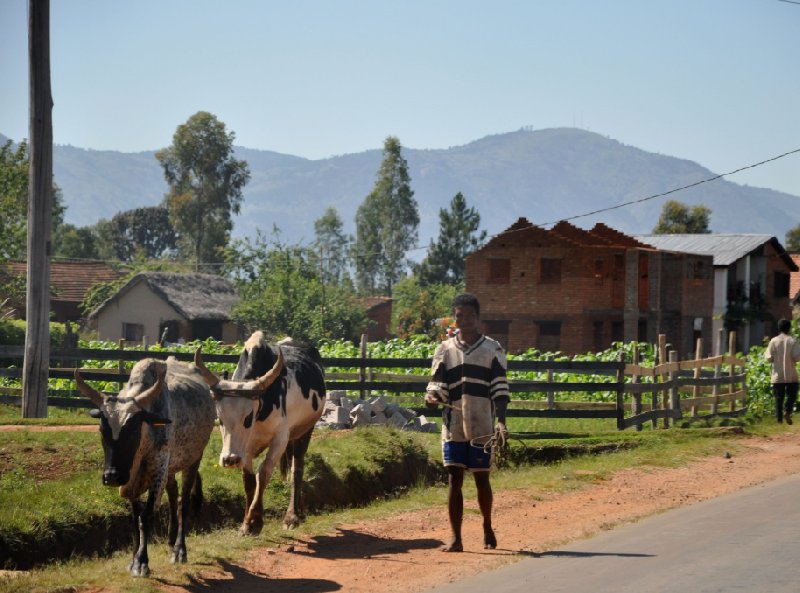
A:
145,398
255,386
268,378
95,396
210,378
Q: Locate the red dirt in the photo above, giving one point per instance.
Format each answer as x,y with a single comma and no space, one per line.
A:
401,554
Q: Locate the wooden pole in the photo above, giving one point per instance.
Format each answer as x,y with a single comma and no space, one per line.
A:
636,406
40,189
698,354
662,359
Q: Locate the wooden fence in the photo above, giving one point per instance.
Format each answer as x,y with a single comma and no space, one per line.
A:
631,394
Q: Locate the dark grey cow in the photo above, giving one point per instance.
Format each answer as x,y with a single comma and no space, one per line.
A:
157,426
273,401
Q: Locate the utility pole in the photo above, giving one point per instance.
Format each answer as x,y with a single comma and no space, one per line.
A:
40,199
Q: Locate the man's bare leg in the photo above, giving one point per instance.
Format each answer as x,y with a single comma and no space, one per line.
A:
455,508
485,499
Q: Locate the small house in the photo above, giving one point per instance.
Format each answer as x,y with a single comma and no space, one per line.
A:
169,307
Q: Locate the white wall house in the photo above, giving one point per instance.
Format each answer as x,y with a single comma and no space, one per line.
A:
155,306
747,268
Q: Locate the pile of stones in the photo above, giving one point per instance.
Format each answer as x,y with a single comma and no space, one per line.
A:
342,411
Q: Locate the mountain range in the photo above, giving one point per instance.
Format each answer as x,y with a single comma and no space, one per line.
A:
544,175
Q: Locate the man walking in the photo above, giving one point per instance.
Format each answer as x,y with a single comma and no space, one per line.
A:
783,351
469,379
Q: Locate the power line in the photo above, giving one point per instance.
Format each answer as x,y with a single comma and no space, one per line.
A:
677,189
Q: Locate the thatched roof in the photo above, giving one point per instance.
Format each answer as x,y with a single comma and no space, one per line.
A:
193,296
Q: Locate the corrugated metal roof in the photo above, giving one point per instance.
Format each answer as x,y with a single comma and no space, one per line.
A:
725,248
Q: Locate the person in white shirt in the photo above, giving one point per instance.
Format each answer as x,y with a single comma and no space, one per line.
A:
783,351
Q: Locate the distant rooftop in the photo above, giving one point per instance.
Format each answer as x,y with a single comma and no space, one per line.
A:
725,248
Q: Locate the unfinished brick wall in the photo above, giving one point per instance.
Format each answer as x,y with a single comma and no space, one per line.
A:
577,291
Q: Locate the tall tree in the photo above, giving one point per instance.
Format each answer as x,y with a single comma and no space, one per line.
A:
146,232
386,224
205,186
677,218
792,242
14,165
282,293
331,245
458,237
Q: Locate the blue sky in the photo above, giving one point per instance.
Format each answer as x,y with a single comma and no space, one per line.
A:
713,81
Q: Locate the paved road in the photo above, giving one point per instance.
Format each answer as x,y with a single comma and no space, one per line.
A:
746,541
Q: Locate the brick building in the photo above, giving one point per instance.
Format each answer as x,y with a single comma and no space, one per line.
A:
571,290
752,281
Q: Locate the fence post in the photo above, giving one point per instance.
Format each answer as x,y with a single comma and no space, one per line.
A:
621,392
362,368
121,364
732,367
551,395
674,391
636,405
698,354
662,359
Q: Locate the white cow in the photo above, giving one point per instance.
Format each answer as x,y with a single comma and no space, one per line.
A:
273,401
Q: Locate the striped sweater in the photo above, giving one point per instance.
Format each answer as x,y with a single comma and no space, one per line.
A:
469,377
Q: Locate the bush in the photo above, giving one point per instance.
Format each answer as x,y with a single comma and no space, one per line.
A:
12,333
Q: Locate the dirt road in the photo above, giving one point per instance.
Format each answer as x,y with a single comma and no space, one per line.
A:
401,554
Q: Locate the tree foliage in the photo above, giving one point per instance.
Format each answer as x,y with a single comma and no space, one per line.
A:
147,232
386,224
416,307
458,237
792,242
14,201
332,245
678,218
205,186
283,294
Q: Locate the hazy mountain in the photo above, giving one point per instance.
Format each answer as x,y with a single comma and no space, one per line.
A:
544,175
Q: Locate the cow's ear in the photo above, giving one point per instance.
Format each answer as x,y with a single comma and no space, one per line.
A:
95,413
154,419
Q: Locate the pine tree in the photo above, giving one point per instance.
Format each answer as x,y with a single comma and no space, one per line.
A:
458,237
386,224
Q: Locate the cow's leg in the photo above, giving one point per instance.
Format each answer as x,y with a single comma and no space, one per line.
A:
172,495
140,566
136,512
254,518
184,504
249,481
294,513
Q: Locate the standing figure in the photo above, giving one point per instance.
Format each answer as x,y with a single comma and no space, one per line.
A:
469,380
783,351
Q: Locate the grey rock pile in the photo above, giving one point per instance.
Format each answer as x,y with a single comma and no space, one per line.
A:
342,411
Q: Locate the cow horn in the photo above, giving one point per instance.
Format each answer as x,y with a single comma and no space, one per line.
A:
269,377
210,378
95,396
145,398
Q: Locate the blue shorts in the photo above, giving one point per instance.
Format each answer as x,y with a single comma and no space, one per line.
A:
462,454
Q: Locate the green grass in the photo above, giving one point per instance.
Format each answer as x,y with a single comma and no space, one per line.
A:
12,414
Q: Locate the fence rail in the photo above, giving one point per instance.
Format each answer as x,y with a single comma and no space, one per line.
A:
674,388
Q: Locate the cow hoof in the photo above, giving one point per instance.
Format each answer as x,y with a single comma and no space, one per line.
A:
251,528
291,522
179,556
139,570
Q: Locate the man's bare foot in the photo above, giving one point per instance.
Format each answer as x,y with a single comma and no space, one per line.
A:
453,546
489,540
